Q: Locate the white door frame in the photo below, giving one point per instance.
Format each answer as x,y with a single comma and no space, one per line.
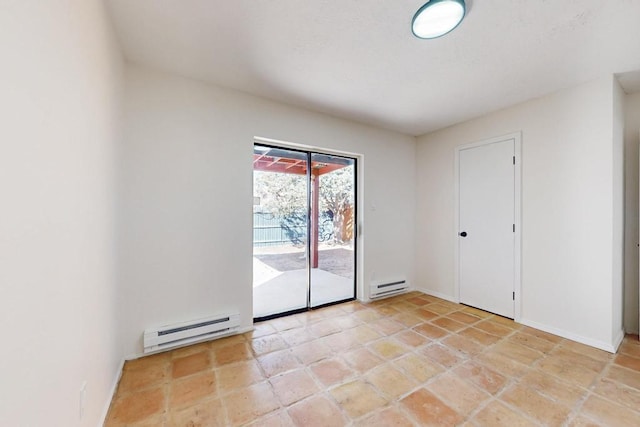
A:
517,280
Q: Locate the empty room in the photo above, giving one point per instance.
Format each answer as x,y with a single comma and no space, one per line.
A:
319,213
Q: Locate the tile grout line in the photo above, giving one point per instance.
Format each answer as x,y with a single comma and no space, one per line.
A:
511,381
591,391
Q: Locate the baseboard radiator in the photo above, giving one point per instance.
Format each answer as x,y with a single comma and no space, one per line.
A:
180,334
383,290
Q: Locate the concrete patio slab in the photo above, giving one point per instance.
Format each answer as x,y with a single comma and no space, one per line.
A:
288,291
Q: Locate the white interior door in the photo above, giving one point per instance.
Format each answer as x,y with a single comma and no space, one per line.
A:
487,227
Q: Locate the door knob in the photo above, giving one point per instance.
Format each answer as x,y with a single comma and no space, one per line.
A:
463,234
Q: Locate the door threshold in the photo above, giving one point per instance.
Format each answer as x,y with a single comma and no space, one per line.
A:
300,310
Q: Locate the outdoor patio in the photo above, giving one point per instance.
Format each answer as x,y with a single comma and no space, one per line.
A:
280,279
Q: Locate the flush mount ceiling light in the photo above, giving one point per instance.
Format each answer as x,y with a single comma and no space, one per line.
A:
437,18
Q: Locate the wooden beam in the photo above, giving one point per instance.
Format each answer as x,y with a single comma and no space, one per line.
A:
262,162
255,159
279,168
275,160
296,163
324,168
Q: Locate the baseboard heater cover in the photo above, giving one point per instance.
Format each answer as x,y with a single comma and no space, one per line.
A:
180,334
382,290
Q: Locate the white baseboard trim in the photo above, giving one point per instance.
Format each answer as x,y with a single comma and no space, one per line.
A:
618,340
238,332
363,300
437,295
610,347
245,330
114,387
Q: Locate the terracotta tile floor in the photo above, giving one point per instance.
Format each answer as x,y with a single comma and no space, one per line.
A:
409,360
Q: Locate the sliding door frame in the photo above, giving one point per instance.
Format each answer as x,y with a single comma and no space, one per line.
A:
309,151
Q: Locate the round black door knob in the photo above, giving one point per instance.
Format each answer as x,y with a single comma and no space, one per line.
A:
463,234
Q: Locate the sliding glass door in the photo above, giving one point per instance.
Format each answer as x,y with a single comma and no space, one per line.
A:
304,218
280,231
332,249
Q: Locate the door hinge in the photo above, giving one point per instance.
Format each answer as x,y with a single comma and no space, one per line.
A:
514,296
514,160
513,227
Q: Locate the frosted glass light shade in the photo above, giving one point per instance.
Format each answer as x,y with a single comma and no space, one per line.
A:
437,18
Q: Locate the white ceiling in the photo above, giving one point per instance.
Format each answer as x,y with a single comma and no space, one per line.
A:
358,59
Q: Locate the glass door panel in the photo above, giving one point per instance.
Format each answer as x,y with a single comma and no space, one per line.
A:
332,229
280,231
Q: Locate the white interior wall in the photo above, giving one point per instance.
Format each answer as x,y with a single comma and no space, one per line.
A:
187,196
617,132
631,132
61,80
567,208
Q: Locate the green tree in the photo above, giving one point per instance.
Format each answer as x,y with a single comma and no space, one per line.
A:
337,197
285,195
281,194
